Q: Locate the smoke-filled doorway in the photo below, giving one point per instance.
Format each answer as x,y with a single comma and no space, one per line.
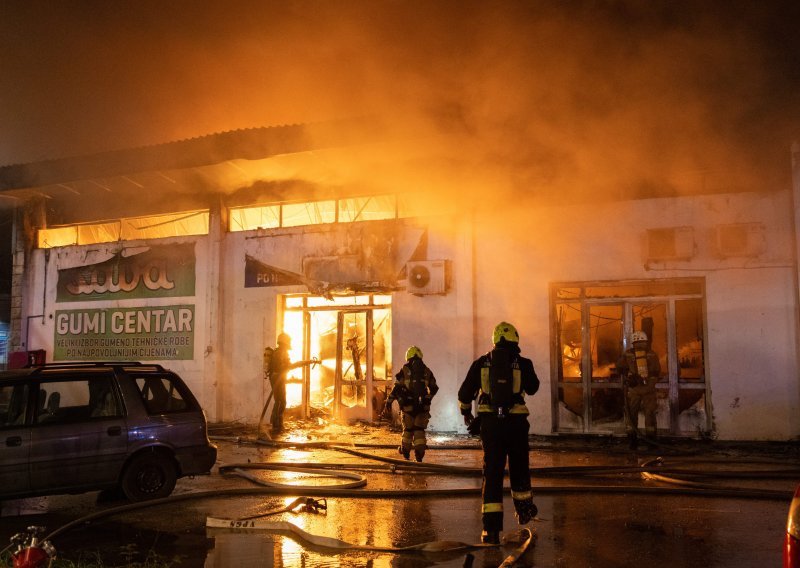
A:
592,326
350,337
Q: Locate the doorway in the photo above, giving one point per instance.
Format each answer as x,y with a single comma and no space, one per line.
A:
350,337
592,324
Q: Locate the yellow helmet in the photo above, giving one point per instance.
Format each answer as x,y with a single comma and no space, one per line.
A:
284,339
505,330
413,351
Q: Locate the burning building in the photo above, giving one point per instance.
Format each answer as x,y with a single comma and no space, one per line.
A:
198,253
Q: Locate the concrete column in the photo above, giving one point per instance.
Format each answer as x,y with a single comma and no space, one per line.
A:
216,376
17,283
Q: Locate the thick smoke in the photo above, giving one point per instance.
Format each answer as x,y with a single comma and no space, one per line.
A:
517,98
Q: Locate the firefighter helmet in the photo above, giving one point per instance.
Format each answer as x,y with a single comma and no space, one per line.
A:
284,339
413,351
638,336
505,330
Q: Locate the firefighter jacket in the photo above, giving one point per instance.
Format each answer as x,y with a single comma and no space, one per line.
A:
280,365
639,366
414,387
478,383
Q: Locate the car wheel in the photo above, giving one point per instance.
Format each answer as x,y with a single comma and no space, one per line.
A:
149,476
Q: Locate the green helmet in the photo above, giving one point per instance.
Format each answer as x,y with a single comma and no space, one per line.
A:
413,351
505,330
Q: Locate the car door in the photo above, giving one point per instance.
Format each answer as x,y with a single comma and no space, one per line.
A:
79,435
15,437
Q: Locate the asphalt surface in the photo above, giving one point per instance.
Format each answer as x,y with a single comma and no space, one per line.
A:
597,510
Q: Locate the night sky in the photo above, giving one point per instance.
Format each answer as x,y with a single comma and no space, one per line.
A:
539,92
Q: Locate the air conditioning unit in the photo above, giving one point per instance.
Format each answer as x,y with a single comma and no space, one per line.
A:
427,277
671,243
739,240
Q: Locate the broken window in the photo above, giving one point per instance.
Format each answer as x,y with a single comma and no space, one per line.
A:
251,218
374,208
312,213
351,338
593,323
128,229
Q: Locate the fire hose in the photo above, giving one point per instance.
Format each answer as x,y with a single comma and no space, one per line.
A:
654,470
308,504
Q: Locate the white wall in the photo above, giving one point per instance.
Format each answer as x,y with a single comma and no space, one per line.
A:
751,335
521,249
40,303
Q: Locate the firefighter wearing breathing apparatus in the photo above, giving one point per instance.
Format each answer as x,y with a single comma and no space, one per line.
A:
499,381
279,365
413,390
639,368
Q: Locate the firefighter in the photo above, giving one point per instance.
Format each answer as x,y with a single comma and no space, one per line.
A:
279,366
639,368
498,381
414,388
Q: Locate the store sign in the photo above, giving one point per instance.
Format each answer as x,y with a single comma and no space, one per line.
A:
125,334
159,272
258,274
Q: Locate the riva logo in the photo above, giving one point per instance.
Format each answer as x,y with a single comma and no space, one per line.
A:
105,279
158,272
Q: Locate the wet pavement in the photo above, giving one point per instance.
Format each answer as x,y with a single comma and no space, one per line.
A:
614,517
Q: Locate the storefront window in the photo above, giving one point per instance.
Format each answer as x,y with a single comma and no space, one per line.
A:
593,324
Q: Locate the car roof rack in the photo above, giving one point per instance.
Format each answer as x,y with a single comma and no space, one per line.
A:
94,364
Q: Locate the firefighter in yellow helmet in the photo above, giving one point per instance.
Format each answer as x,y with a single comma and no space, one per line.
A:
498,381
639,368
414,388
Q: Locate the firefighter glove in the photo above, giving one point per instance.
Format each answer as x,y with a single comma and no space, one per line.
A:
525,510
468,419
474,427
634,380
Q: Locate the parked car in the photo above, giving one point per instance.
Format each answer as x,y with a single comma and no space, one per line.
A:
791,541
77,427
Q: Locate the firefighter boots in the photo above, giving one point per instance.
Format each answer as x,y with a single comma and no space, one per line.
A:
406,452
419,453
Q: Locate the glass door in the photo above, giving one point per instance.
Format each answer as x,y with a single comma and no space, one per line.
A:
652,318
605,342
592,327
353,361
351,338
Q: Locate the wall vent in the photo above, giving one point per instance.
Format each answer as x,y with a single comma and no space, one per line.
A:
427,277
739,240
671,243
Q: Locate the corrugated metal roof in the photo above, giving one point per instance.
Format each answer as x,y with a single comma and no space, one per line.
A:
246,144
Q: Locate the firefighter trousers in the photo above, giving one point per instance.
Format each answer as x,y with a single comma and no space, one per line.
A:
503,439
644,398
414,425
279,403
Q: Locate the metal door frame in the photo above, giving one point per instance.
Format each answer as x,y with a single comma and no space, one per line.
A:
338,375
673,385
